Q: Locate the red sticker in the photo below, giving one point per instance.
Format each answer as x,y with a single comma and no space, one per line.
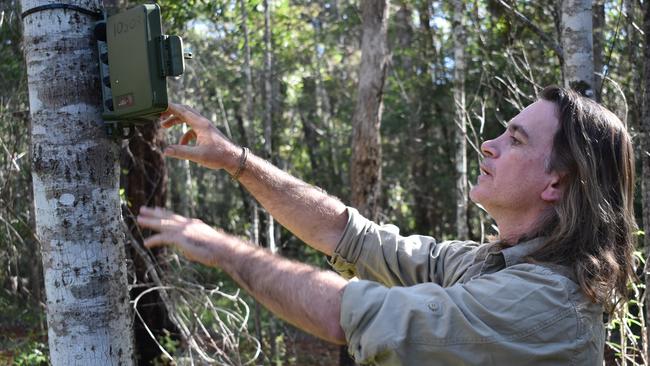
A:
125,101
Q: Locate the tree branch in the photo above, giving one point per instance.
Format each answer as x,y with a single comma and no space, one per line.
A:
549,42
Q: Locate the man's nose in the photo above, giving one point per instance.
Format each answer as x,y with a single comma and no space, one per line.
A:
488,149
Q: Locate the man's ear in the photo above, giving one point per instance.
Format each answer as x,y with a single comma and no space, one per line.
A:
554,189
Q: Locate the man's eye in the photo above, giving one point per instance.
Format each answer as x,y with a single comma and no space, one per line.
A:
514,141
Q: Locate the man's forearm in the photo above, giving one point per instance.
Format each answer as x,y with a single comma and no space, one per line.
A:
312,215
289,289
307,211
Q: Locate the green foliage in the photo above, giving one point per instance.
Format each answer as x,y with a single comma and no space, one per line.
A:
170,344
32,354
628,326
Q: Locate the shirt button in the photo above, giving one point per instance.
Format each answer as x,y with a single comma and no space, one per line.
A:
433,306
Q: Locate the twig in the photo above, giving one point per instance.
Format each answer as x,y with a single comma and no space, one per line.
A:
552,44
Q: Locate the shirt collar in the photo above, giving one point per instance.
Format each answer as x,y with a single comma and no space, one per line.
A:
516,253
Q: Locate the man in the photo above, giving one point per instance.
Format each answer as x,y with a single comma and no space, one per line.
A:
559,184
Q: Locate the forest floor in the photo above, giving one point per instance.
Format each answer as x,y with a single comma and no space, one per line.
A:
23,341
23,337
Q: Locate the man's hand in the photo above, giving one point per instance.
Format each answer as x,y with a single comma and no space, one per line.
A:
299,293
310,213
212,149
194,239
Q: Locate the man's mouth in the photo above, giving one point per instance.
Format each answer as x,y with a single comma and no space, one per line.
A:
484,171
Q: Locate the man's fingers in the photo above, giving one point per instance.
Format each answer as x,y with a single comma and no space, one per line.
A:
151,222
171,121
187,137
182,152
157,240
166,114
159,219
188,115
157,212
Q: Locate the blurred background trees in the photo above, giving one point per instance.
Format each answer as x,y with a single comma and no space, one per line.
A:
282,77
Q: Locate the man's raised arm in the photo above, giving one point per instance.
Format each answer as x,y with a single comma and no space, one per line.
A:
307,211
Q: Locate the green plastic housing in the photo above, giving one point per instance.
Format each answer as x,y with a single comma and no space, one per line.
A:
140,58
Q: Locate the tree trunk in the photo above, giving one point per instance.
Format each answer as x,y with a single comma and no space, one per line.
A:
599,41
631,64
268,111
645,160
247,71
248,121
308,114
75,175
268,100
332,179
365,168
268,152
420,127
460,131
577,44
145,184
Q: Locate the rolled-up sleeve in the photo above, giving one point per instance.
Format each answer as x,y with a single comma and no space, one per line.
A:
379,253
521,314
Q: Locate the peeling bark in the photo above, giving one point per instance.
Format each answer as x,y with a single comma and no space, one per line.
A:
75,176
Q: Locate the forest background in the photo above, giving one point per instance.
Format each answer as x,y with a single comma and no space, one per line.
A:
282,77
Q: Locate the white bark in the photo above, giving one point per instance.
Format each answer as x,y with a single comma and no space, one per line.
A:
460,38
577,45
75,179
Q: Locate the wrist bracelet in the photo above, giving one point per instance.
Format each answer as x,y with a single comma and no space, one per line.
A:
242,163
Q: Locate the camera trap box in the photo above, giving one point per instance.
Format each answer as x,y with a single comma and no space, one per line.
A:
135,60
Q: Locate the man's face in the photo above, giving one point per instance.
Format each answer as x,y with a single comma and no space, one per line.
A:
513,177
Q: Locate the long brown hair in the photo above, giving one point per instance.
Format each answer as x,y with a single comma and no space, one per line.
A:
592,227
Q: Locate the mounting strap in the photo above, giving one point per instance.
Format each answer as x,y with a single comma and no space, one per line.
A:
97,14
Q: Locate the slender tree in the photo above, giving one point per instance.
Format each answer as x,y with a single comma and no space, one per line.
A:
645,157
632,51
75,175
268,112
250,115
460,131
268,151
577,45
598,20
365,168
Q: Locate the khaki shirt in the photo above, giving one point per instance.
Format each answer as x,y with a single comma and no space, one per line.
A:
419,302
